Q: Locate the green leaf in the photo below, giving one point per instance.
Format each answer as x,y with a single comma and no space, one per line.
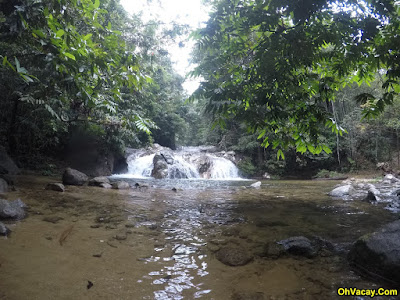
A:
96,4
280,154
69,55
60,33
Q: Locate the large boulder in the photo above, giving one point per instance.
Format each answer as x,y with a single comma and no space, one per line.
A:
167,157
378,254
12,209
74,177
160,169
7,165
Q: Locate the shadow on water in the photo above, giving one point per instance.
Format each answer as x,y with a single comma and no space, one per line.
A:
208,215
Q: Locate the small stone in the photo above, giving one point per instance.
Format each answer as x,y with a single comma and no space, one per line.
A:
174,190
213,247
95,226
120,237
49,238
58,187
97,181
98,254
105,185
52,219
111,227
256,185
120,185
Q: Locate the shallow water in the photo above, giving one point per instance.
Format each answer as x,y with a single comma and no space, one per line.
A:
171,239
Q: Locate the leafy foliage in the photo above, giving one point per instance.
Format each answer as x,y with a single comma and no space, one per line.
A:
276,65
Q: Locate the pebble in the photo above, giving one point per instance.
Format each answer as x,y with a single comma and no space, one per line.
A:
120,237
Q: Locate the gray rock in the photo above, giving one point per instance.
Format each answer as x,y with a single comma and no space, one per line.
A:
7,165
299,245
120,185
390,178
52,219
97,181
3,186
4,230
58,187
370,197
233,256
341,191
120,237
167,157
74,177
378,254
256,185
12,209
160,169
105,185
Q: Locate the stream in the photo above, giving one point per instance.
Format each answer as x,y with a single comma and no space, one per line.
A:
155,243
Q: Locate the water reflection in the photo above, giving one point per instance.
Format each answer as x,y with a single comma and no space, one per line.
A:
195,221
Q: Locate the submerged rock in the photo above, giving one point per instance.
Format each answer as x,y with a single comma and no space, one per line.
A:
58,187
378,254
74,177
4,230
299,245
12,209
233,256
120,185
98,181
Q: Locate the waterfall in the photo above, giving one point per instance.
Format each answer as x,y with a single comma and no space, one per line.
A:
223,168
187,163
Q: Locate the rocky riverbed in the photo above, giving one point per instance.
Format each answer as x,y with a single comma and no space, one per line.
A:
286,240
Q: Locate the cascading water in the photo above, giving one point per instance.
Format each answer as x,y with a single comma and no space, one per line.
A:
187,163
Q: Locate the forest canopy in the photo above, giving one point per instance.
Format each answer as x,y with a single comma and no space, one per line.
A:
278,65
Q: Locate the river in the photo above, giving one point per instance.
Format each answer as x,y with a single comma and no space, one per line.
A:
156,243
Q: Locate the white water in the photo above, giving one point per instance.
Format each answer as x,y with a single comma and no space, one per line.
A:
185,165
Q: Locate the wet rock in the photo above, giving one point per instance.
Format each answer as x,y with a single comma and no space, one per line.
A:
105,185
370,197
378,254
120,185
3,186
341,191
98,254
273,250
233,256
160,169
58,187
256,185
12,209
97,181
95,226
390,178
300,246
167,157
52,219
247,296
74,177
4,230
